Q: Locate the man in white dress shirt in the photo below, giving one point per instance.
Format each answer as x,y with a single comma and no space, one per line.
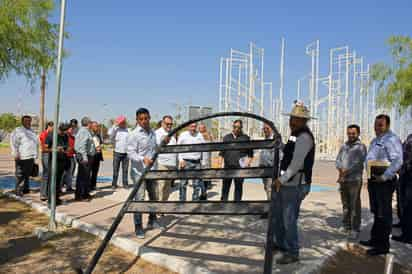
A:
118,136
24,144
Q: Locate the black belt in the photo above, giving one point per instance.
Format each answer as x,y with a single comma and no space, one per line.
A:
192,161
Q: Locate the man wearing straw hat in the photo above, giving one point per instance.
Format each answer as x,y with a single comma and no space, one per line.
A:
293,184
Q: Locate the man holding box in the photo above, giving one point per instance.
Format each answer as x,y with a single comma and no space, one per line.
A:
384,159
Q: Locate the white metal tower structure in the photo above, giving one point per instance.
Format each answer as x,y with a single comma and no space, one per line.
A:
242,87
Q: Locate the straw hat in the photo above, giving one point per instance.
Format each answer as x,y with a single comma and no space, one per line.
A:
300,110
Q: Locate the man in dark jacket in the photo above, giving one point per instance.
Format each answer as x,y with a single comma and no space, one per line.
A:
62,160
235,159
406,193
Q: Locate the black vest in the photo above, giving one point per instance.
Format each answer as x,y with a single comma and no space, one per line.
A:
289,149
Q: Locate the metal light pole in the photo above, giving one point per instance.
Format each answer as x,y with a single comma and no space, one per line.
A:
52,222
281,88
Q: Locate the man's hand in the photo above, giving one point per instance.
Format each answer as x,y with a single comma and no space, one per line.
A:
147,161
182,164
277,185
166,140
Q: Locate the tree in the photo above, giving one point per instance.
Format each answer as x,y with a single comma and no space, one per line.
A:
29,40
395,79
8,122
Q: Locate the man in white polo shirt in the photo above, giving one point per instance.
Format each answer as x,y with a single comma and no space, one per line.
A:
165,161
190,160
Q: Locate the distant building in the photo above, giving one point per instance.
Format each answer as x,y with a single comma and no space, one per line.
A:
194,112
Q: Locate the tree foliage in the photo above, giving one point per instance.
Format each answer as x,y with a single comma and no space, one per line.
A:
395,79
8,122
28,41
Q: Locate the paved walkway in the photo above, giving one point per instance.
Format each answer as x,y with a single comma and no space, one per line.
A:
223,244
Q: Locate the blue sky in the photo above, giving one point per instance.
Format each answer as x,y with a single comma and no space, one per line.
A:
128,54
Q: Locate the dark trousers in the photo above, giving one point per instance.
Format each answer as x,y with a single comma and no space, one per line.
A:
351,204
380,196
120,158
24,169
226,188
45,187
406,202
83,179
94,170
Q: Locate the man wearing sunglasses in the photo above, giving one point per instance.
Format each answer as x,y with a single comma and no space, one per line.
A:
235,159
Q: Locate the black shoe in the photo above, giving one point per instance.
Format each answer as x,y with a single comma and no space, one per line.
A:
87,197
367,243
398,225
401,239
376,252
203,197
69,190
287,259
26,190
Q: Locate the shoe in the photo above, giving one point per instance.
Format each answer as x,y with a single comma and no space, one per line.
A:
43,199
26,190
114,187
376,252
69,190
203,197
398,225
154,225
19,193
139,232
401,239
367,243
87,197
287,259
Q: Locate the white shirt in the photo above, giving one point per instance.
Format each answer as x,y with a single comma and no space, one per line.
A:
186,139
165,159
141,143
24,143
119,137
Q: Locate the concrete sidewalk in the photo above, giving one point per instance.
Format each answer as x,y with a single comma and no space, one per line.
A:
220,244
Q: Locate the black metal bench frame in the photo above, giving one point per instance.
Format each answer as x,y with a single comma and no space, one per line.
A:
205,207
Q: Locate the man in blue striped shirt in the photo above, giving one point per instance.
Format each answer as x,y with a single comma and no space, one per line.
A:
384,159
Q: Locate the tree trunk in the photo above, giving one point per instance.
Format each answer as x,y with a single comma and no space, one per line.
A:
42,100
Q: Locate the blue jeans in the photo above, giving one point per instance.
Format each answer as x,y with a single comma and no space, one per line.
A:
120,158
146,185
285,217
45,165
198,186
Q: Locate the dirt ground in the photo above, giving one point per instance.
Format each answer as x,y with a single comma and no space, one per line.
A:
355,261
21,252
